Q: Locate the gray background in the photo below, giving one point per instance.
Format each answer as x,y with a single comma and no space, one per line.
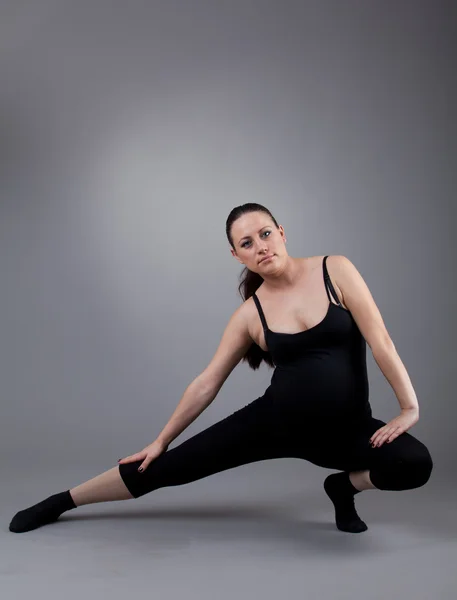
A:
128,133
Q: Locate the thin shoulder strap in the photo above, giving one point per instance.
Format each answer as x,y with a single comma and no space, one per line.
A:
328,283
259,308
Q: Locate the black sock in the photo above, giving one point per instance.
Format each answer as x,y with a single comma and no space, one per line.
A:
44,512
341,492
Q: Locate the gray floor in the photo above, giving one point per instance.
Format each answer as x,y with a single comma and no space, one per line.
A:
259,531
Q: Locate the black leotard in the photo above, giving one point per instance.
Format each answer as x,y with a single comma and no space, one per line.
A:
321,371
316,408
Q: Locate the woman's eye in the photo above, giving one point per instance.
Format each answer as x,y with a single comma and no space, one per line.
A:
244,244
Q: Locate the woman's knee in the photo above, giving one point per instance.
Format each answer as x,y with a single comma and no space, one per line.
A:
418,469
138,484
404,473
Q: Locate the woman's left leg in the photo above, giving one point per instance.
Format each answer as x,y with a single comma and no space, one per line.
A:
403,464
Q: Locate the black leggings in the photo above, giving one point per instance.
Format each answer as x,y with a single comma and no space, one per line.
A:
254,433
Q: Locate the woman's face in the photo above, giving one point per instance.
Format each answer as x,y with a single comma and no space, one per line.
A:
255,236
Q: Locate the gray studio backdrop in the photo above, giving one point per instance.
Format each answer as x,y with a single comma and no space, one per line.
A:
128,133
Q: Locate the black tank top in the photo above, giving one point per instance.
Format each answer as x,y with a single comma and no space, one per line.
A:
320,371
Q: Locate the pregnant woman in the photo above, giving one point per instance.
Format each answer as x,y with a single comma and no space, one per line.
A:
309,318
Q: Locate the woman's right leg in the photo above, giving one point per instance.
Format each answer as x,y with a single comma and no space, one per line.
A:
243,437
250,434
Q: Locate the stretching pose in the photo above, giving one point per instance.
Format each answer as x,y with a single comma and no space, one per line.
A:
316,407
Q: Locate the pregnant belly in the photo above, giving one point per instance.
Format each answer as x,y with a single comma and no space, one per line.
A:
315,392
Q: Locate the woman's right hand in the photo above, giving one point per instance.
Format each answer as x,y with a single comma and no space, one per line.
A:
149,454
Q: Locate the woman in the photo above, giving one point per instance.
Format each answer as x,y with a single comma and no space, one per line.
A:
316,407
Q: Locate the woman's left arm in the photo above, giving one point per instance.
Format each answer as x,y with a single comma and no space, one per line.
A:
359,300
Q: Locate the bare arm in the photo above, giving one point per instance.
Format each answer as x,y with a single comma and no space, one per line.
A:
201,392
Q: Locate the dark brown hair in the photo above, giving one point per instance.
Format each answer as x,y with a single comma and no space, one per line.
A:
250,281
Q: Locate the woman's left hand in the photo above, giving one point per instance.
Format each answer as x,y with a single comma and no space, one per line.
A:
395,427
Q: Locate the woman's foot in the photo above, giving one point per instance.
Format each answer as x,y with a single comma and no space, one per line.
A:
341,492
44,512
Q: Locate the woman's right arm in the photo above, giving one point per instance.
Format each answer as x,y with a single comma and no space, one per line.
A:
199,394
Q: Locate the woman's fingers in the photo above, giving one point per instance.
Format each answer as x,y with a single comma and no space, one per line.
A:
383,434
132,458
147,455
147,462
377,436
